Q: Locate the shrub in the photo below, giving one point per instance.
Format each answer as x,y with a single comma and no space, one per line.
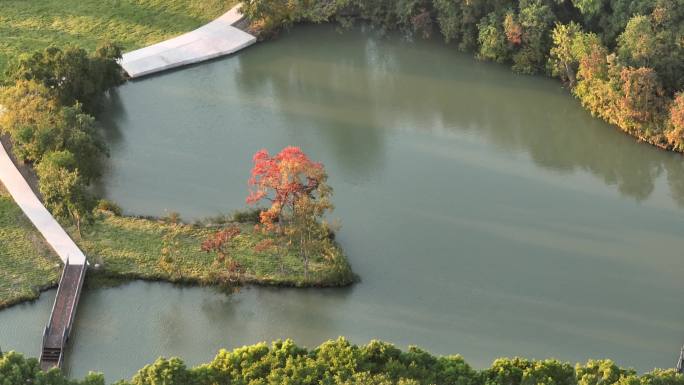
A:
250,215
72,74
108,206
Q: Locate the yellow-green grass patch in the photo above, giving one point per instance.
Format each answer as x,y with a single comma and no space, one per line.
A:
27,264
29,26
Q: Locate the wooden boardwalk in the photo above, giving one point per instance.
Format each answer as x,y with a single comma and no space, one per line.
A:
58,328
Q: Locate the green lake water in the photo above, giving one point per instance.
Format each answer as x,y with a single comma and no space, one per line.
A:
487,213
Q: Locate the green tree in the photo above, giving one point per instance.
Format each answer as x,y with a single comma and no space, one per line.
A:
589,7
536,20
78,133
638,44
492,38
563,57
450,19
29,119
163,372
37,125
597,372
72,74
306,228
64,191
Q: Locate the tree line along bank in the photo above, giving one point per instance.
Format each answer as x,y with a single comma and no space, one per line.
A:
338,362
623,59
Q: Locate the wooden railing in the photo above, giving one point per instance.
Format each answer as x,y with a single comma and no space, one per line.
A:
74,304
59,290
60,360
46,330
51,353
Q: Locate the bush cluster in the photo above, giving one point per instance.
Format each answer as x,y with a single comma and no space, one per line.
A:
624,59
341,363
48,104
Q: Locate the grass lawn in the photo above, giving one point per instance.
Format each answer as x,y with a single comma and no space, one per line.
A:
28,26
27,264
132,248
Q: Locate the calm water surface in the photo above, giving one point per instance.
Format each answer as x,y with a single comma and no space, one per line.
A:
487,213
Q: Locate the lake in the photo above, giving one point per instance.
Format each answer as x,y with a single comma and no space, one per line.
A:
486,212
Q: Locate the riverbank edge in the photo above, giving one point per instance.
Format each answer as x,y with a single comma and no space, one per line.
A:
105,276
39,290
655,142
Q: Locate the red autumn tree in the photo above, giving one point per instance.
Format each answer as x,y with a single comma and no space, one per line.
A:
283,180
296,189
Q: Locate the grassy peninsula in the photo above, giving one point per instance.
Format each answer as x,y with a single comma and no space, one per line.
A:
127,248
156,249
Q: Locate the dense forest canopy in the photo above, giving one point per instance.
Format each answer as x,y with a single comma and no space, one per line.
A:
623,59
341,363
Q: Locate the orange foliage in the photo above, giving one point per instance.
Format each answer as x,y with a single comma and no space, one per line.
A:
675,136
513,30
264,245
642,93
282,180
219,240
677,112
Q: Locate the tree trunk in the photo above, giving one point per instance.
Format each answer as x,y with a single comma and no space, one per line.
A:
77,218
571,74
306,267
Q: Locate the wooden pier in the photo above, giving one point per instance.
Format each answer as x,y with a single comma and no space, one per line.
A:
58,328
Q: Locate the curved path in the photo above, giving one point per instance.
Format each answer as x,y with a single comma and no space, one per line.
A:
212,40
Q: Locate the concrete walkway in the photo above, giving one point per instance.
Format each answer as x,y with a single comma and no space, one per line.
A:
29,203
212,40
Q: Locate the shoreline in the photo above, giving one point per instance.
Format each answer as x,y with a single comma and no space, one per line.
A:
121,272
